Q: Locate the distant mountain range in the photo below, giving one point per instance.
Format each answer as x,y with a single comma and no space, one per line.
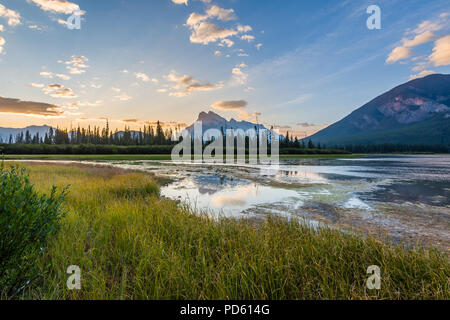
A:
6,132
417,112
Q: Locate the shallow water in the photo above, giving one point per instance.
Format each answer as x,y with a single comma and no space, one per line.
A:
405,197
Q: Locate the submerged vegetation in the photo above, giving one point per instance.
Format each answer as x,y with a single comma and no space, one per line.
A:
131,244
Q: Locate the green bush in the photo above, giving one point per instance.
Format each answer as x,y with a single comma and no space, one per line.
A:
27,219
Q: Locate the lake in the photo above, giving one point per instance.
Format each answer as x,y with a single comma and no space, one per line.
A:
404,197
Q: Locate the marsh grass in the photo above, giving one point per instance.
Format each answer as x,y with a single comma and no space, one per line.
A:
130,244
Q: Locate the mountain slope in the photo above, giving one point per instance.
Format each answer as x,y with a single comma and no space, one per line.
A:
417,112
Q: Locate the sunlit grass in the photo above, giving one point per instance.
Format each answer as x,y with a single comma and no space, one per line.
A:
132,245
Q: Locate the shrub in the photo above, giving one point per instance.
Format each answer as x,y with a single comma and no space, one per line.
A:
27,219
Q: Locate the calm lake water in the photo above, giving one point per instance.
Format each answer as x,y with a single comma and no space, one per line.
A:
405,197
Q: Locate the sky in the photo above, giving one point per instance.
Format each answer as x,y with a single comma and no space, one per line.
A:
297,65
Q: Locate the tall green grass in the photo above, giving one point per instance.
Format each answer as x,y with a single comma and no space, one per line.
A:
130,244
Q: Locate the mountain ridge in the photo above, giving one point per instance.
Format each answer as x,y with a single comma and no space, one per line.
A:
416,112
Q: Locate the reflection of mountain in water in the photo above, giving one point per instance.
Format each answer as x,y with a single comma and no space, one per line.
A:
211,184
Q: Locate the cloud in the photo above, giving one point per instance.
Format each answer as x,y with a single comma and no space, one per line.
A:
2,43
230,105
299,100
399,53
36,85
8,105
226,42
247,37
57,6
186,84
244,29
142,76
46,74
424,33
238,75
12,16
305,125
429,26
62,76
422,74
65,93
195,18
75,70
84,104
123,97
206,32
77,65
2,28
259,46
419,39
441,52
220,13
180,2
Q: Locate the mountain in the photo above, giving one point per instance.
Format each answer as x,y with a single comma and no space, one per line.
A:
6,132
417,112
212,120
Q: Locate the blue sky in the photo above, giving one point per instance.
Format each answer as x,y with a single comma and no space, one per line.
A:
299,65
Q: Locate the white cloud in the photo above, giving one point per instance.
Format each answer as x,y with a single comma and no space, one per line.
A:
244,29
195,18
2,28
46,74
180,2
62,76
206,32
399,53
220,13
2,43
419,39
441,52
227,42
238,75
259,46
186,84
77,65
123,97
142,76
12,16
218,53
74,70
247,37
429,26
57,6
36,85
422,74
